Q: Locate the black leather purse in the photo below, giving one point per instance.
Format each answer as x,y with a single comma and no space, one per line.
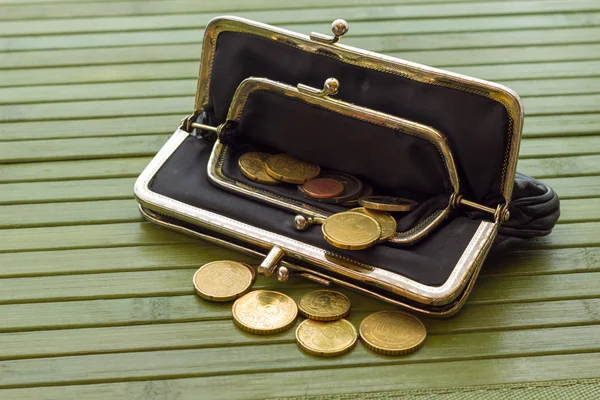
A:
448,141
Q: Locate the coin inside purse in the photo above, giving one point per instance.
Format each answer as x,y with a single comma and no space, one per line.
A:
395,156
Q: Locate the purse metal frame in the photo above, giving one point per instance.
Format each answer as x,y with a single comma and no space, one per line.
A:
283,254
323,99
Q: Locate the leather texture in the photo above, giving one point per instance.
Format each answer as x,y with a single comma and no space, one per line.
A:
534,210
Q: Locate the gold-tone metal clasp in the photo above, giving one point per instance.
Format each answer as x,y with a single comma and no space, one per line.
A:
271,261
188,124
500,213
271,265
339,27
302,222
330,88
215,129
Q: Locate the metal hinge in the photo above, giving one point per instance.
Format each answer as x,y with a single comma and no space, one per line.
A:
207,132
500,213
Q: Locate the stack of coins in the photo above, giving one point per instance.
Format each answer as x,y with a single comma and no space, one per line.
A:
325,332
335,188
346,230
275,169
324,186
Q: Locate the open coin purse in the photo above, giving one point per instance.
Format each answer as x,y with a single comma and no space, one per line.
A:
447,141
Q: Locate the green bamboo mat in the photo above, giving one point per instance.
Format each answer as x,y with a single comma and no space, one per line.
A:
96,304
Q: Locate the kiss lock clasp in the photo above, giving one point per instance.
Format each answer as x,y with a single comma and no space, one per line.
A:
330,88
339,27
271,264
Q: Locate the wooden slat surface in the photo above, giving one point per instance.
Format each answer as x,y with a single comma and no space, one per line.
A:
480,16
96,304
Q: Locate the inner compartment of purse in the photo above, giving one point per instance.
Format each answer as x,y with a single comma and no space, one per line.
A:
183,177
477,126
393,162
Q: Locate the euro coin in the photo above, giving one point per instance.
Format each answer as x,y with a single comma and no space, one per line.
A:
264,312
253,166
351,231
392,332
388,203
326,339
385,220
286,168
324,305
323,188
222,280
252,270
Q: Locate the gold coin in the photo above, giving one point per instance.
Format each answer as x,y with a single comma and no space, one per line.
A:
388,203
324,305
264,312
385,220
288,169
222,280
253,166
326,339
252,270
351,231
392,333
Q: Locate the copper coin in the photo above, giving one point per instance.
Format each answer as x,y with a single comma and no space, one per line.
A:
353,187
323,188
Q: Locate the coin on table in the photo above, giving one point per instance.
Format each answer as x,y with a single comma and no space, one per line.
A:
222,280
322,188
286,168
264,312
351,231
388,203
353,186
392,332
326,339
324,305
385,220
253,166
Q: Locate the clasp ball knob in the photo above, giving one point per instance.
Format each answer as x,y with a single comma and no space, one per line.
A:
283,274
301,222
339,27
331,86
